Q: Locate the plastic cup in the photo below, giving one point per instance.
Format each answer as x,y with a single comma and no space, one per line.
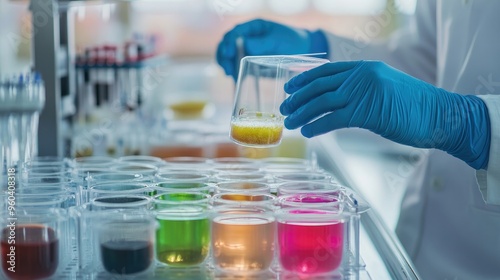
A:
126,243
158,162
261,200
185,186
183,235
243,239
302,176
312,200
256,120
115,189
136,168
242,187
241,177
107,177
313,188
120,202
310,240
183,176
36,244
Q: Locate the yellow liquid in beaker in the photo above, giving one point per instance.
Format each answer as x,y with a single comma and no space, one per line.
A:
254,132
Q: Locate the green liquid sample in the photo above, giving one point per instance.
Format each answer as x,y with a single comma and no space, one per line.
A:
183,242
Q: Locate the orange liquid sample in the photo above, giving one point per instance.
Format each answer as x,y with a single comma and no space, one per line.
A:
252,132
243,243
176,151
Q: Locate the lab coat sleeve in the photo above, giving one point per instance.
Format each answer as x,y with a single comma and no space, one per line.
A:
489,179
411,49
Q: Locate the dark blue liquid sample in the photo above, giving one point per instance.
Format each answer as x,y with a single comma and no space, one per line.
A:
126,257
120,199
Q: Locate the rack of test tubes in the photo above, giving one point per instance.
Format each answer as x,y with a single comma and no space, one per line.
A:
142,217
22,98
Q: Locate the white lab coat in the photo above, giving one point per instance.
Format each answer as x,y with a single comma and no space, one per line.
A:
445,224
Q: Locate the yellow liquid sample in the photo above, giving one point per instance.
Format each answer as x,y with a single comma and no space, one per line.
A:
188,108
256,133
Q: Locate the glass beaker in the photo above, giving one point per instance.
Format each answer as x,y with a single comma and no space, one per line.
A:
183,235
256,120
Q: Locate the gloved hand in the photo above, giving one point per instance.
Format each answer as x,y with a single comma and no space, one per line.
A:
261,37
375,96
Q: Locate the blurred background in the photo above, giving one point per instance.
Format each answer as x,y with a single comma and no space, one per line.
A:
184,28
186,99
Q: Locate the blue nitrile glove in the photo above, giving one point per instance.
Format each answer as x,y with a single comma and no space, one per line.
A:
261,37
375,96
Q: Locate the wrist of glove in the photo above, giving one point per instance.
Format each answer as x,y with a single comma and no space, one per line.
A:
375,96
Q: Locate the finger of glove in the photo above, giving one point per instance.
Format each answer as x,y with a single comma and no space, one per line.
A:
329,122
225,63
248,29
326,69
320,86
315,108
259,46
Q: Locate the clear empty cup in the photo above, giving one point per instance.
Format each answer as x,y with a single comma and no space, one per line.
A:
243,239
256,120
183,235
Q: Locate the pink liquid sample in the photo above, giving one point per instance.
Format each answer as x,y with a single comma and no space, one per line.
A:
310,248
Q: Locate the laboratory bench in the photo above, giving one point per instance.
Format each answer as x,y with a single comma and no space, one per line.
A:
369,164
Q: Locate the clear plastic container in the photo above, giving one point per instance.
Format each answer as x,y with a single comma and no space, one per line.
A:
183,235
243,239
115,243
36,245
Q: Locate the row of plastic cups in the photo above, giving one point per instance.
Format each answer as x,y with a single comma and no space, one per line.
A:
141,188
243,235
224,168
102,161
174,212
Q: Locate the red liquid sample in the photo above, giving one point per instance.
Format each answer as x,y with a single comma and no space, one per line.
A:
310,248
36,252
